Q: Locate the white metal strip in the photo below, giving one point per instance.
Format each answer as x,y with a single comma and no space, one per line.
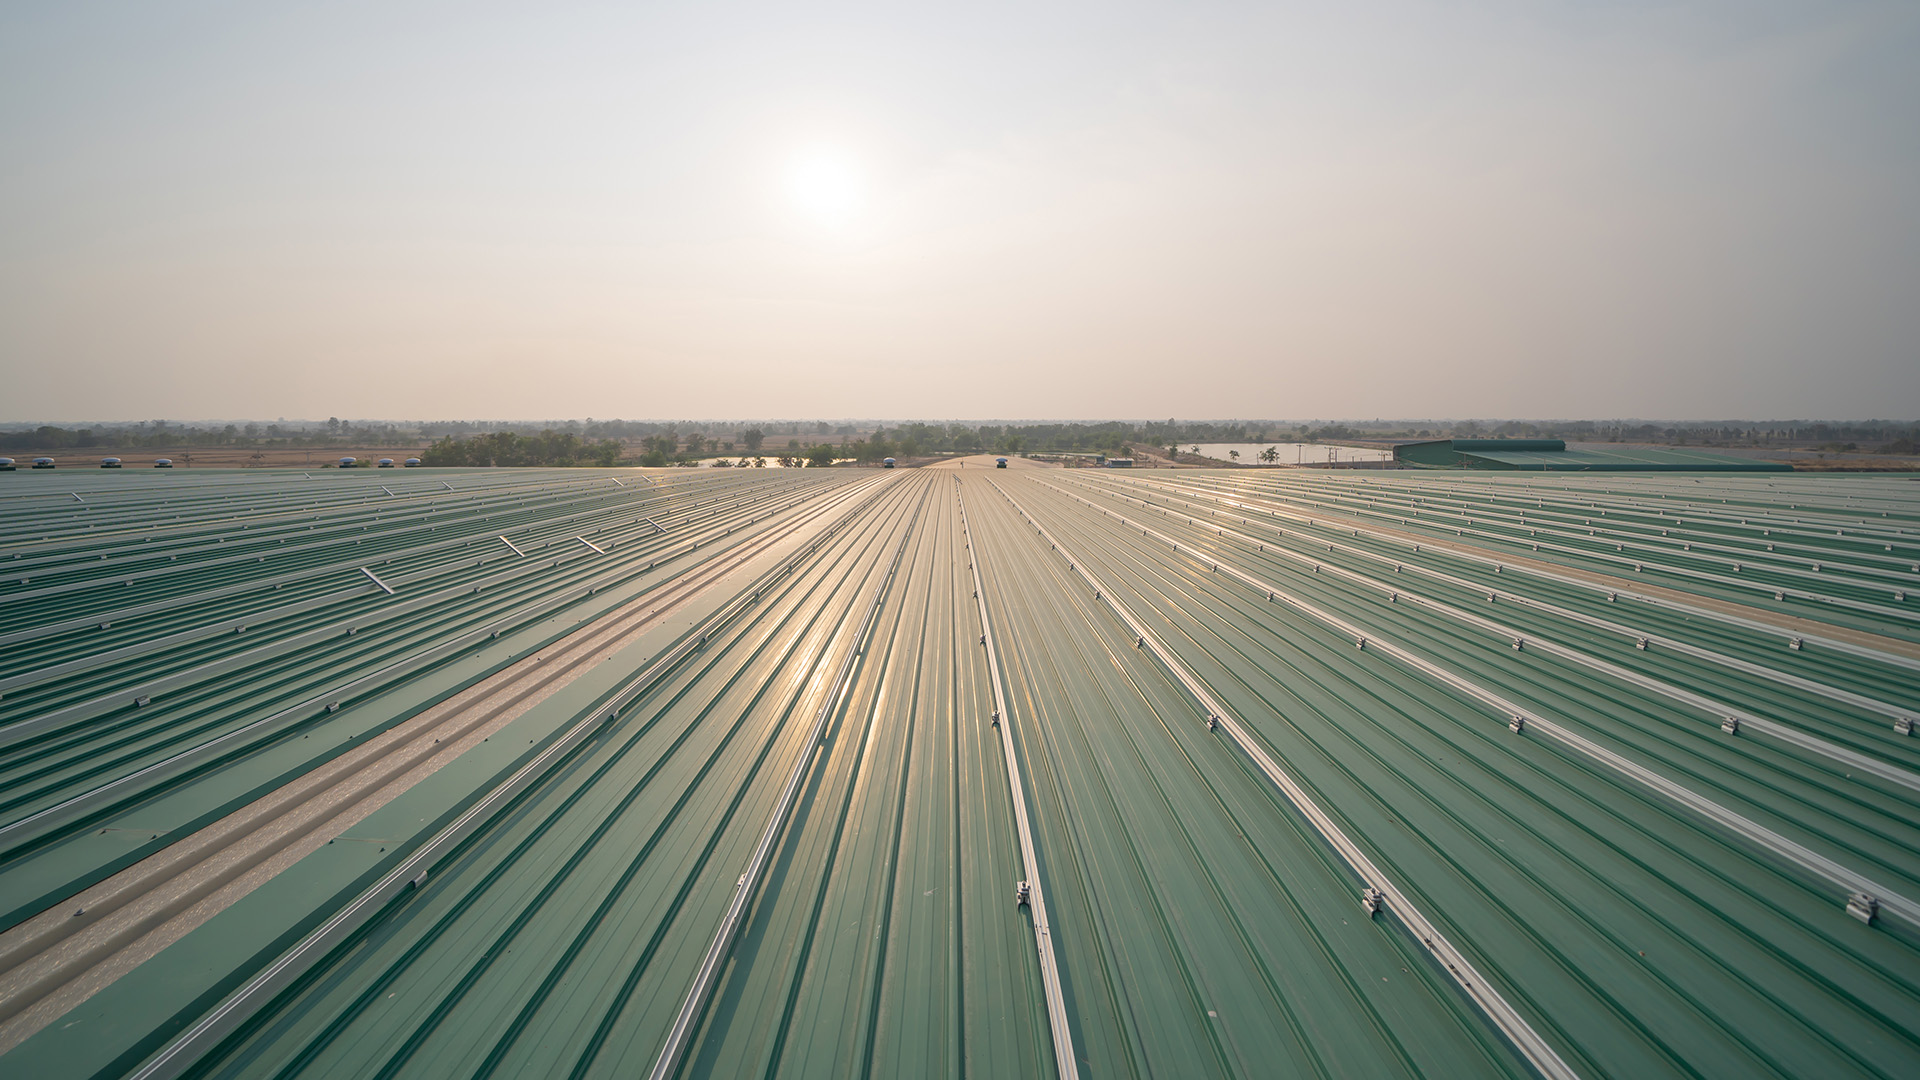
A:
1538,1052
1066,1063
1792,852
744,889
1718,710
1836,644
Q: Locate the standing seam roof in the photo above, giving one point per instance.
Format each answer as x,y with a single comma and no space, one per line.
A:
1613,831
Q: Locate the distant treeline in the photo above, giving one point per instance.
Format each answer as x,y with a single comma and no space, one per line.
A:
663,443
163,433
510,448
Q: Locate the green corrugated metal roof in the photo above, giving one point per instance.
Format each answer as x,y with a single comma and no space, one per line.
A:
1637,459
1552,455
1623,883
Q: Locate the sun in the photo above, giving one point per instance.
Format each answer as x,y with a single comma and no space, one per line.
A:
827,187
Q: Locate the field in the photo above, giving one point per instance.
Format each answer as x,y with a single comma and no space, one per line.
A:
958,771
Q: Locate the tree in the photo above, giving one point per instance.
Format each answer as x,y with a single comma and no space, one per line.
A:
1235,455
659,448
821,456
753,437
1270,455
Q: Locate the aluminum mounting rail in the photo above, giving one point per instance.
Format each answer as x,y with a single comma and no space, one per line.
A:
384,587
591,544
1779,592
168,568
257,617
1066,1063
1491,559
1649,638
1863,891
180,1055
695,1004
18,832
1903,719
510,545
1536,1050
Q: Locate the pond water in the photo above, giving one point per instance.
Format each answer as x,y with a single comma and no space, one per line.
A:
1291,453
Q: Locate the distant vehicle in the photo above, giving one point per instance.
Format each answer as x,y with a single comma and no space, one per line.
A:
43,463
413,463
999,463
887,464
163,463
109,462
386,463
1120,463
6,464
347,462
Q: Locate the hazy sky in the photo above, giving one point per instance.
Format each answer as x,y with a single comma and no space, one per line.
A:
976,210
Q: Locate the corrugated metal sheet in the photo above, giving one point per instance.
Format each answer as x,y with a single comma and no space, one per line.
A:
1552,455
1321,774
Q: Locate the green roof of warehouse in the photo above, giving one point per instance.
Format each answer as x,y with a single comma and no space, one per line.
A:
1552,455
1637,903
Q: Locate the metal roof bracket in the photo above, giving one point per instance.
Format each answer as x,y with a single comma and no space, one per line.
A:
1731,725
1370,900
1863,907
